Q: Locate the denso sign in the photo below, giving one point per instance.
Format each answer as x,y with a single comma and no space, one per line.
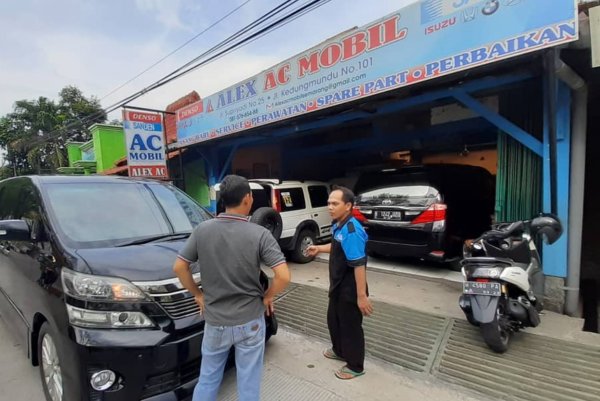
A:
145,145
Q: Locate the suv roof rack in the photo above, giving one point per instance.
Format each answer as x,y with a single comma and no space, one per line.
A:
276,181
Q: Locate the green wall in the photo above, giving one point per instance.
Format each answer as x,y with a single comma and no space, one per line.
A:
109,145
74,152
195,181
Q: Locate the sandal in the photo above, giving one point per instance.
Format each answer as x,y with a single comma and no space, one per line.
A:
329,354
345,373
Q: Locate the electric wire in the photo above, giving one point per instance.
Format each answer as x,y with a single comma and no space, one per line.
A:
292,15
177,49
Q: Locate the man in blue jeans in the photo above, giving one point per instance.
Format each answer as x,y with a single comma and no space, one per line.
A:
229,251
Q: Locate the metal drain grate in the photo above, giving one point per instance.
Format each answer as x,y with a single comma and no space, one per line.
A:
534,368
395,334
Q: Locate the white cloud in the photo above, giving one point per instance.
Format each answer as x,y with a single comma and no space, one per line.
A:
41,60
167,12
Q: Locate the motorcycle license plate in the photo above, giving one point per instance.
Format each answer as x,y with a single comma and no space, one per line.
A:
476,288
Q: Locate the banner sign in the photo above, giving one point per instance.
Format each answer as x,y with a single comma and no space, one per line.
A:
144,140
425,40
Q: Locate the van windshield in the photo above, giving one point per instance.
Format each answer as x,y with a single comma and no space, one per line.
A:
94,215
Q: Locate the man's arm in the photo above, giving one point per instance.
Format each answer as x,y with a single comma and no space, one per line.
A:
360,276
280,282
182,271
271,256
313,250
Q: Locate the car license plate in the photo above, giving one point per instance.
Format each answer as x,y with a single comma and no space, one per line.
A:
388,215
476,288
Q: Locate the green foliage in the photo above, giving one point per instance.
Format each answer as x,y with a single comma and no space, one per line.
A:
35,133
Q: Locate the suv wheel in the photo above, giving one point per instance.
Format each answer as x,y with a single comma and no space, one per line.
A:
305,239
269,219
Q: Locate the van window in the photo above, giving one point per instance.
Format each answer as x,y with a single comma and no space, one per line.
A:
28,208
102,214
183,213
9,199
3,204
318,195
291,199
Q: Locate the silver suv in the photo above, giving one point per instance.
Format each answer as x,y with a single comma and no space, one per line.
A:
302,206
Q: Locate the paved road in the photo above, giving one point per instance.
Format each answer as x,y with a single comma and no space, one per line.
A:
294,371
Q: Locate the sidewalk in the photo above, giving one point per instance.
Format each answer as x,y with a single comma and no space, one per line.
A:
295,370
417,325
433,290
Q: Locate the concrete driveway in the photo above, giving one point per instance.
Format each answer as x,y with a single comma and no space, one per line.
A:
294,370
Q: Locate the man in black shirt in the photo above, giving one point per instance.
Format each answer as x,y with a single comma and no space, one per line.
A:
348,293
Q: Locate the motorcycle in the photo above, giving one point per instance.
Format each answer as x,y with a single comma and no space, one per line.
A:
503,288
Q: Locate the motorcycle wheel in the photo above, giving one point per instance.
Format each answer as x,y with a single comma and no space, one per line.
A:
495,336
471,319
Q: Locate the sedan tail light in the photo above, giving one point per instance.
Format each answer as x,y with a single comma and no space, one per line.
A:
358,215
435,214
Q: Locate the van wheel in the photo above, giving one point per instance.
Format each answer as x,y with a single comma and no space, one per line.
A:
269,219
305,239
50,368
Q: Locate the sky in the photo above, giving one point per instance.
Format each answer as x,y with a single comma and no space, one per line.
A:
99,45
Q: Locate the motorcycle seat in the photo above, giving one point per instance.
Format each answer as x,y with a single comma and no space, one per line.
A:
487,260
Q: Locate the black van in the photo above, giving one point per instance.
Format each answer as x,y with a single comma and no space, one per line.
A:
424,211
86,282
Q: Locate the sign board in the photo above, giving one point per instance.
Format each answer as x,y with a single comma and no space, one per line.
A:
145,145
425,40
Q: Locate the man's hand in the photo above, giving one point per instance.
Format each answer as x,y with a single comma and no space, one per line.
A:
182,270
269,305
365,306
200,301
312,250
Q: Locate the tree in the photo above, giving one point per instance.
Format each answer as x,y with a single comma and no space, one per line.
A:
35,133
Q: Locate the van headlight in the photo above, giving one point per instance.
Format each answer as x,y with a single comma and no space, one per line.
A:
107,319
99,288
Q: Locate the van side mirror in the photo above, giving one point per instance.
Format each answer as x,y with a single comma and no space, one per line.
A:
14,230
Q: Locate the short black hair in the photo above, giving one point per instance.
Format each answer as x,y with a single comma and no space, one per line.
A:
347,194
232,190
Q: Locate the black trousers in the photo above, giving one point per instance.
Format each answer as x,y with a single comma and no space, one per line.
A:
344,320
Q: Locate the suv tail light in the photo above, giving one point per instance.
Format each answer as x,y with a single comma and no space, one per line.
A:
358,215
276,203
435,214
